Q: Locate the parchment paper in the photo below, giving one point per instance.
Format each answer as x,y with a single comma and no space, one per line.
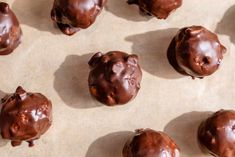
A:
56,65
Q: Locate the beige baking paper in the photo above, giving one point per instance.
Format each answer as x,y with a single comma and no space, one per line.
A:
56,65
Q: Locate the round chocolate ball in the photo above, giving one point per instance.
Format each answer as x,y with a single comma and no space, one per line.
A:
150,143
159,8
216,134
195,51
25,116
10,31
114,77
73,15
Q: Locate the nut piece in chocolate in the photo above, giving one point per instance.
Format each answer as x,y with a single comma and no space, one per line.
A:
25,116
73,15
150,143
114,77
196,52
158,8
216,134
10,31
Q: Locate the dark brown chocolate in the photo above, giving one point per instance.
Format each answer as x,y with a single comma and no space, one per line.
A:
114,77
195,51
216,134
73,15
25,116
150,143
10,31
159,8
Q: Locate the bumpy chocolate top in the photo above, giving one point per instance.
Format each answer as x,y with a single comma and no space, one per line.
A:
114,77
159,8
73,15
10,31
150,143
217,134
195,51
25,116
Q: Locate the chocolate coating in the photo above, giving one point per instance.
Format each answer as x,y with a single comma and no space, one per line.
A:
73,15
217,134
159,8
150,143
114,77
25,116
195,51
10,31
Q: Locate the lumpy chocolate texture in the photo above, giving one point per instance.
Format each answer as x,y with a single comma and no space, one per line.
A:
25,116
159,8
10,31
195,51
73,15
150,143
114,77
217,134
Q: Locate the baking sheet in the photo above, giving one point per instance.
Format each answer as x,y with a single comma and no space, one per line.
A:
56,65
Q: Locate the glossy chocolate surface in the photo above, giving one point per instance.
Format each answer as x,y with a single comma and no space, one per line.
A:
25,116
150,143
159,8
10,31
73,15
195,51
114,77
217,134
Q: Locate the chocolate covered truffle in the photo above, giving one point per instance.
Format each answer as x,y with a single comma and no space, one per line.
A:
25,116
73,15
114,77
150,143
10,31
159,8
195,51
217,134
